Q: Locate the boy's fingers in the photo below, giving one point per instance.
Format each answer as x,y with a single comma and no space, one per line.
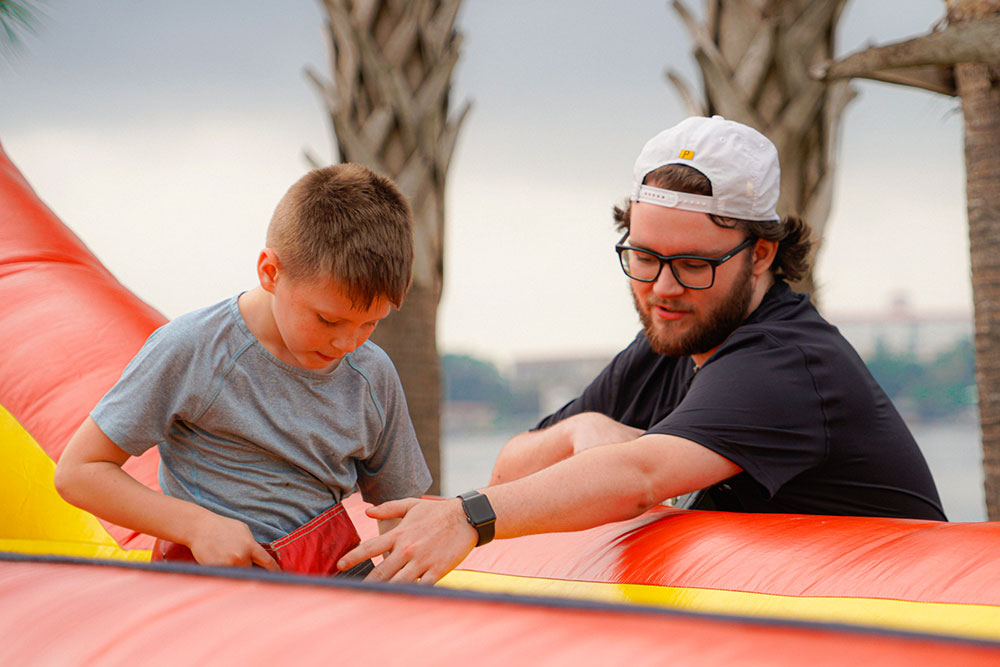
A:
260,556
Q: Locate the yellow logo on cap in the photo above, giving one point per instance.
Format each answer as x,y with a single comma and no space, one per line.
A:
686,155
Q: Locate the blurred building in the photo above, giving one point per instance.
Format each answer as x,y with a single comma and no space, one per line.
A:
902,329
556,381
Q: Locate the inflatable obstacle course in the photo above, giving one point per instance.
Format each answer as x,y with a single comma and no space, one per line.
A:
671,585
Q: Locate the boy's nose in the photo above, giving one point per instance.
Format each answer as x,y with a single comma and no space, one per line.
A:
347,341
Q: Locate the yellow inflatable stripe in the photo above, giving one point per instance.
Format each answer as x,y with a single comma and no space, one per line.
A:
33,517
958,620
74,549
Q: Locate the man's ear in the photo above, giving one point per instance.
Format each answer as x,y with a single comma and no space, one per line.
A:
268,268
763,255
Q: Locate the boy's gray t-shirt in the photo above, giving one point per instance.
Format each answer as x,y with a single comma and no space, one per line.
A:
250,437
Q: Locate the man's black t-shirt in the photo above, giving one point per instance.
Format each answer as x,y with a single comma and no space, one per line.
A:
788,400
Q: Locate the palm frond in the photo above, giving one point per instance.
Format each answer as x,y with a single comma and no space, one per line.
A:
16,19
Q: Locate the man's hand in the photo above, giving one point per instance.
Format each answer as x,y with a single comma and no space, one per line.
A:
219,540
431,539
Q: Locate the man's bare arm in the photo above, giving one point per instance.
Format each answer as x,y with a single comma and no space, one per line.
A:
600,485
531,451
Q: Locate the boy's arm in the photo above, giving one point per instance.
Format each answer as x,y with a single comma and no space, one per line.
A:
90,476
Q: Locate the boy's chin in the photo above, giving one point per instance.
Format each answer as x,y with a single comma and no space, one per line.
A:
321,362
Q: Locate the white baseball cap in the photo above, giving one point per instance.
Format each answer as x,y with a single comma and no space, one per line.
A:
741,163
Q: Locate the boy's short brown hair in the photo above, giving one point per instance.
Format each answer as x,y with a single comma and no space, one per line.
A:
350,224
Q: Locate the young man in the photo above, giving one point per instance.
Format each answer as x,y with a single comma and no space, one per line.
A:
736,386
270,407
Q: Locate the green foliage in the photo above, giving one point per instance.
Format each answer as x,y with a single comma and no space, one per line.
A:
466,378
940,388
469,379
895,372
16,18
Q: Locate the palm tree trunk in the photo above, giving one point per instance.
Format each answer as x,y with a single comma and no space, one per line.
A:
963,59
392,62
755,59
977,85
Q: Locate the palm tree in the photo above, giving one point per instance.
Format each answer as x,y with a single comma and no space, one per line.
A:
961,57
755,59
15,19
389,105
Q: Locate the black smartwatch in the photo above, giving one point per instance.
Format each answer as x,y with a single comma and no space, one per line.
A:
480,514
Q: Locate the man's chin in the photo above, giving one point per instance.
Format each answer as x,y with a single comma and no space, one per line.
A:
678,344
665,350
667,346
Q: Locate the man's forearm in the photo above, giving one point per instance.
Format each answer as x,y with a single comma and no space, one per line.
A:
579,492
529,452
604,484
532,451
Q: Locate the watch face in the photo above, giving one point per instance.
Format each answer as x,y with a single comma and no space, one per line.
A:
478,509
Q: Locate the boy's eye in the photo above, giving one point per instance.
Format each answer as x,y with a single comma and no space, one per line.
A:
323,319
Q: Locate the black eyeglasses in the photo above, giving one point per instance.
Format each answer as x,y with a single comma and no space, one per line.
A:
691,271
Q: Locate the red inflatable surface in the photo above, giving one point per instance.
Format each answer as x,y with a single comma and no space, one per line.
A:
68,328
772,554
154,618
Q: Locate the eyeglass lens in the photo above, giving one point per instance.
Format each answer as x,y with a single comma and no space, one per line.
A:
641,265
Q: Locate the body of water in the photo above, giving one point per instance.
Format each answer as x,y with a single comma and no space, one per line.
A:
953,451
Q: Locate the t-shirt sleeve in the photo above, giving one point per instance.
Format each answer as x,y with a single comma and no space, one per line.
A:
396,468
757,405
153,392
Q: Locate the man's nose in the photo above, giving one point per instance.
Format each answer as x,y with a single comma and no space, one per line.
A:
666,283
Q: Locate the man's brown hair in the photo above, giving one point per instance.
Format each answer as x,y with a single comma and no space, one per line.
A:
350,224
792,234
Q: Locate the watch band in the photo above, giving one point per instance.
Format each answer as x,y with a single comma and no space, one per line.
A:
480,514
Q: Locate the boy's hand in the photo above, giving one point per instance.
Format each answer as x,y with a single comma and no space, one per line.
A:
431,539
220,540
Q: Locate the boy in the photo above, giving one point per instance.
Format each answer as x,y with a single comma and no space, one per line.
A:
268,408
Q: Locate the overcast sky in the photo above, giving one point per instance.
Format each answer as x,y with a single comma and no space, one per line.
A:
163,134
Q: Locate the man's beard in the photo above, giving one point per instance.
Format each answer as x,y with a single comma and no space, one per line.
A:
715,327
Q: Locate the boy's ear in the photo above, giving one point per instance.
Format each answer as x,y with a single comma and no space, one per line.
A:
268,268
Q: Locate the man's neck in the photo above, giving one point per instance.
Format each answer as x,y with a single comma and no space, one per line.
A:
760,290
